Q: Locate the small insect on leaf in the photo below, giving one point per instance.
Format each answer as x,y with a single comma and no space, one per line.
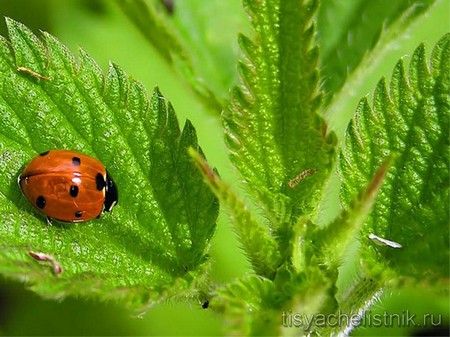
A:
384,242
32,73
43,257
300,177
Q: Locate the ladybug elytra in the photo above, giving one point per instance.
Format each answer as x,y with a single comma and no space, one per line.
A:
68,186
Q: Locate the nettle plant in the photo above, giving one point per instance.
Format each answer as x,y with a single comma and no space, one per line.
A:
283,127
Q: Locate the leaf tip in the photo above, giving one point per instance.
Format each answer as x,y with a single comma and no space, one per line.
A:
189,129
14,26
10,22
157,92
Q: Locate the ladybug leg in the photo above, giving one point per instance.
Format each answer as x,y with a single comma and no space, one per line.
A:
49,221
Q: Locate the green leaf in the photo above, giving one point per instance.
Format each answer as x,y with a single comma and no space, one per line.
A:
331,241
273,130
193,42
182,197
257,242
359,299
247,307
409,119
350,29
155,241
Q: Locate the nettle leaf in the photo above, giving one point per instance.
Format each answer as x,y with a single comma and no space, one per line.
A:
155,240
410,120
349,29
259,246
331,241
247,306
276,137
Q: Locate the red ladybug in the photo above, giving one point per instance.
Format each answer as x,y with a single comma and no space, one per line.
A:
68,186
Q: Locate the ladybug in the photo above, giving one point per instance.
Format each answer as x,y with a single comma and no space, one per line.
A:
68,186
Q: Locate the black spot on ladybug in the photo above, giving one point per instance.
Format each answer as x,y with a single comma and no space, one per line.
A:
76,161
73,191
44,153
78,214
40,202
205,304
100,181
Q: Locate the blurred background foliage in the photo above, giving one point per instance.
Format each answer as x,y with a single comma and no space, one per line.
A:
102,29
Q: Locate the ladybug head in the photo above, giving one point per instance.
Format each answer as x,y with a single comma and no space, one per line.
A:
111,194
